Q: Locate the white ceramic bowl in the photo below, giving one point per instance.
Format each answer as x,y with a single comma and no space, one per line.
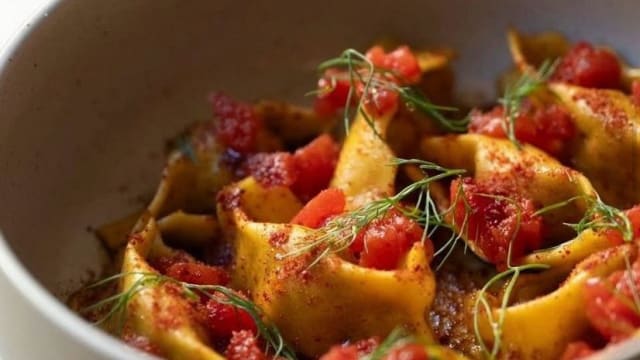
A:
91,89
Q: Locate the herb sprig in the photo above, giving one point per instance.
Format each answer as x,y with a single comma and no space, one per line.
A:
513,273
598,215
515,94
361,70
340,232
118,305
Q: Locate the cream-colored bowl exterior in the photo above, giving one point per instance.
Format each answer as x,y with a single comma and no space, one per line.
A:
90,90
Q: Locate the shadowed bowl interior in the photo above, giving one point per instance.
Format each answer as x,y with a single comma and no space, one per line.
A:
90,91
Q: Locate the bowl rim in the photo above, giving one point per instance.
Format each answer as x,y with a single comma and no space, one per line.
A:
17,275
59,315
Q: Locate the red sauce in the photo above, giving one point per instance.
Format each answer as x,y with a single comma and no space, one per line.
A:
382,244
236,123
317,211
492,222
547,127
610,305
587,66
244,346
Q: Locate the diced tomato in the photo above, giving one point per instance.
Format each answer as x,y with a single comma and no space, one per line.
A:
366,346
635,92
196,273
407,352
577,350
492,223
401,61
236,124
314,164
610,303
491,123
353,351
221,319
547,127
584,65
244,346
379,99
317,211
306,172
377,56
333,93
339,352
614,235
273,169
553,126
382,244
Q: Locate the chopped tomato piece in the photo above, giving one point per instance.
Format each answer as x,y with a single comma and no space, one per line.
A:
306,172
221,319
551,127
401,61
354,351
614,235
315,164
491,123
382,244
339,352
379,99
492,223
547,127
611,305
333,93
244,346
196,273
366,346
317,211
577,350
236,124
407,352
584,65
635,92
273,169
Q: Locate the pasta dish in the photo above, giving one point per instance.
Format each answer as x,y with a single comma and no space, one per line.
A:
390,222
